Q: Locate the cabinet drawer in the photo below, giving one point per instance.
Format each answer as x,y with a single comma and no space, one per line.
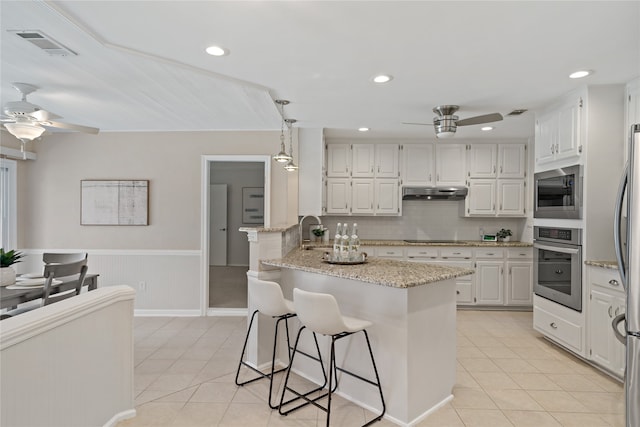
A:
564,331
390,252
463,293
446,253
606,278
422,252
490,253
522,253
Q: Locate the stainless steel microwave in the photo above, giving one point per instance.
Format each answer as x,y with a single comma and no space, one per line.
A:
558,193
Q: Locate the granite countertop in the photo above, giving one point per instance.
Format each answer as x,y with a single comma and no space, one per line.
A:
386,272
469,243
612,265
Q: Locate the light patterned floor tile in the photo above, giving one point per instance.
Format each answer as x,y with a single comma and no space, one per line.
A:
531,419
483,418
199,415
443,417
560,401
494,380
534,381
471,398
569,419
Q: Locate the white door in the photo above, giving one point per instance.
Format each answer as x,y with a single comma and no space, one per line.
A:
218,224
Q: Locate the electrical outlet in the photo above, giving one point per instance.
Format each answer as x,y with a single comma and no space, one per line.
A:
142,286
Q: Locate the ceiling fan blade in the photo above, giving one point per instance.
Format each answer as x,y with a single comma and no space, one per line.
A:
477,120
44,116
421,124
70,126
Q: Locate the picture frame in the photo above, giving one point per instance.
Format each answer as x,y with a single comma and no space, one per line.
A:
114,202
253,205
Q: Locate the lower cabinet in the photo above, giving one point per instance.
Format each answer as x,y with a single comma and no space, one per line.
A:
606,301
489,282
519,283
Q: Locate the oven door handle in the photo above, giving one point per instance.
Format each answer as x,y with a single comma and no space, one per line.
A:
560,249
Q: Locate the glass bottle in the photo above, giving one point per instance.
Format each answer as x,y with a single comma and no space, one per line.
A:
337,239
344,243
354,243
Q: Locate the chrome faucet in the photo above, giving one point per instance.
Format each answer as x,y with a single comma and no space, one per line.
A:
300,225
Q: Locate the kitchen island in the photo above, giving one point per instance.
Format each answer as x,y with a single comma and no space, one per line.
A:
413,310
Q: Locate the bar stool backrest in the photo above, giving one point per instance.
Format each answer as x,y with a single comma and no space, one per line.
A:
319,312
267,297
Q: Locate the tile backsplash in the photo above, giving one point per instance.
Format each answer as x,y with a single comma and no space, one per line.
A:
429,220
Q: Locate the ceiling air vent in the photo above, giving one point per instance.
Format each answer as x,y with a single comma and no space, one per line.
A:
44,42
517,112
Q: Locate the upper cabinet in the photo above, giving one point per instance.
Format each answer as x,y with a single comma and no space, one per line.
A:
496,161
418,165
512,161
558,132
362,162
483,161
387,161
338,160
451,164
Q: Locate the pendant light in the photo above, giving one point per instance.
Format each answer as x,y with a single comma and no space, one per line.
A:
282,156
290,166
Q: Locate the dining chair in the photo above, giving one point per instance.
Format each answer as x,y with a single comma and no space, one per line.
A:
62,258
70,271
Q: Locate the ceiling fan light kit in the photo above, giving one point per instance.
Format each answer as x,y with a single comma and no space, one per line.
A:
25,120
446,122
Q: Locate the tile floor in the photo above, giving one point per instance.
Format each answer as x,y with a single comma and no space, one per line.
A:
228,286
508,375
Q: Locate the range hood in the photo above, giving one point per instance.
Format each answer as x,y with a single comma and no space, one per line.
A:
434,193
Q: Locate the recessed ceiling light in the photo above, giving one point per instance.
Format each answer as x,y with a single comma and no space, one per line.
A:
363,129
382,78
580,74
217,51
486,128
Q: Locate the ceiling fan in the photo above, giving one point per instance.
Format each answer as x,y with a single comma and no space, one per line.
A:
446,122
27,121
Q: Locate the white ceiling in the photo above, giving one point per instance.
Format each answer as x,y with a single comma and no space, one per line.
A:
141,66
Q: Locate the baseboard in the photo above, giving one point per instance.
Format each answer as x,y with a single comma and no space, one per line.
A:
120,416
227,312
166,313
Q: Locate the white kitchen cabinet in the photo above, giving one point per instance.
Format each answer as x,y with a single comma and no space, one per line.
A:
519,281
511,197
418,165
481,198
338,160
606,300
451,164
512,161
490,197
387,161
362,160
338,196
558,132
387,197
489,282
362,191
482,160
393,252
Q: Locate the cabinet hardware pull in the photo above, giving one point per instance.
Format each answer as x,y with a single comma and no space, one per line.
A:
429,177
617,311
456,253
614,282
610,315
500,169
553,325
558,271
458,292
490,253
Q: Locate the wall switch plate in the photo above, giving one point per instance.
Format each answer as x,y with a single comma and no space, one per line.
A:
142,286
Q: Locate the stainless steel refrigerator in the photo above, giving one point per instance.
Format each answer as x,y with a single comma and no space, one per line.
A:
627,244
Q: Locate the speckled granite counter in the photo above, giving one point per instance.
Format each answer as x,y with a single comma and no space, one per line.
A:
469,243
397,274
611,265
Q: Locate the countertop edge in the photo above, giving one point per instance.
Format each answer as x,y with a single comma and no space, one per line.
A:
609,265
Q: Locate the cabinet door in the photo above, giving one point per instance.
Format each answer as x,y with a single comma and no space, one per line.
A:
512,161
519,283
362,196
481,199
451,164
601,313
338,195
362,160
545,138
387,197
568,144
511,197
338,160
489,282
418,164
387,160
482,161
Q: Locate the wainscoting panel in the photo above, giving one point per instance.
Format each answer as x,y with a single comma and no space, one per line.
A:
167,282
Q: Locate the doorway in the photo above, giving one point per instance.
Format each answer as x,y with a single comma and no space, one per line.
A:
236,196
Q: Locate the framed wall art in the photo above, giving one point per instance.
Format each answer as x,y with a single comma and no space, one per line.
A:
114,202
253,205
